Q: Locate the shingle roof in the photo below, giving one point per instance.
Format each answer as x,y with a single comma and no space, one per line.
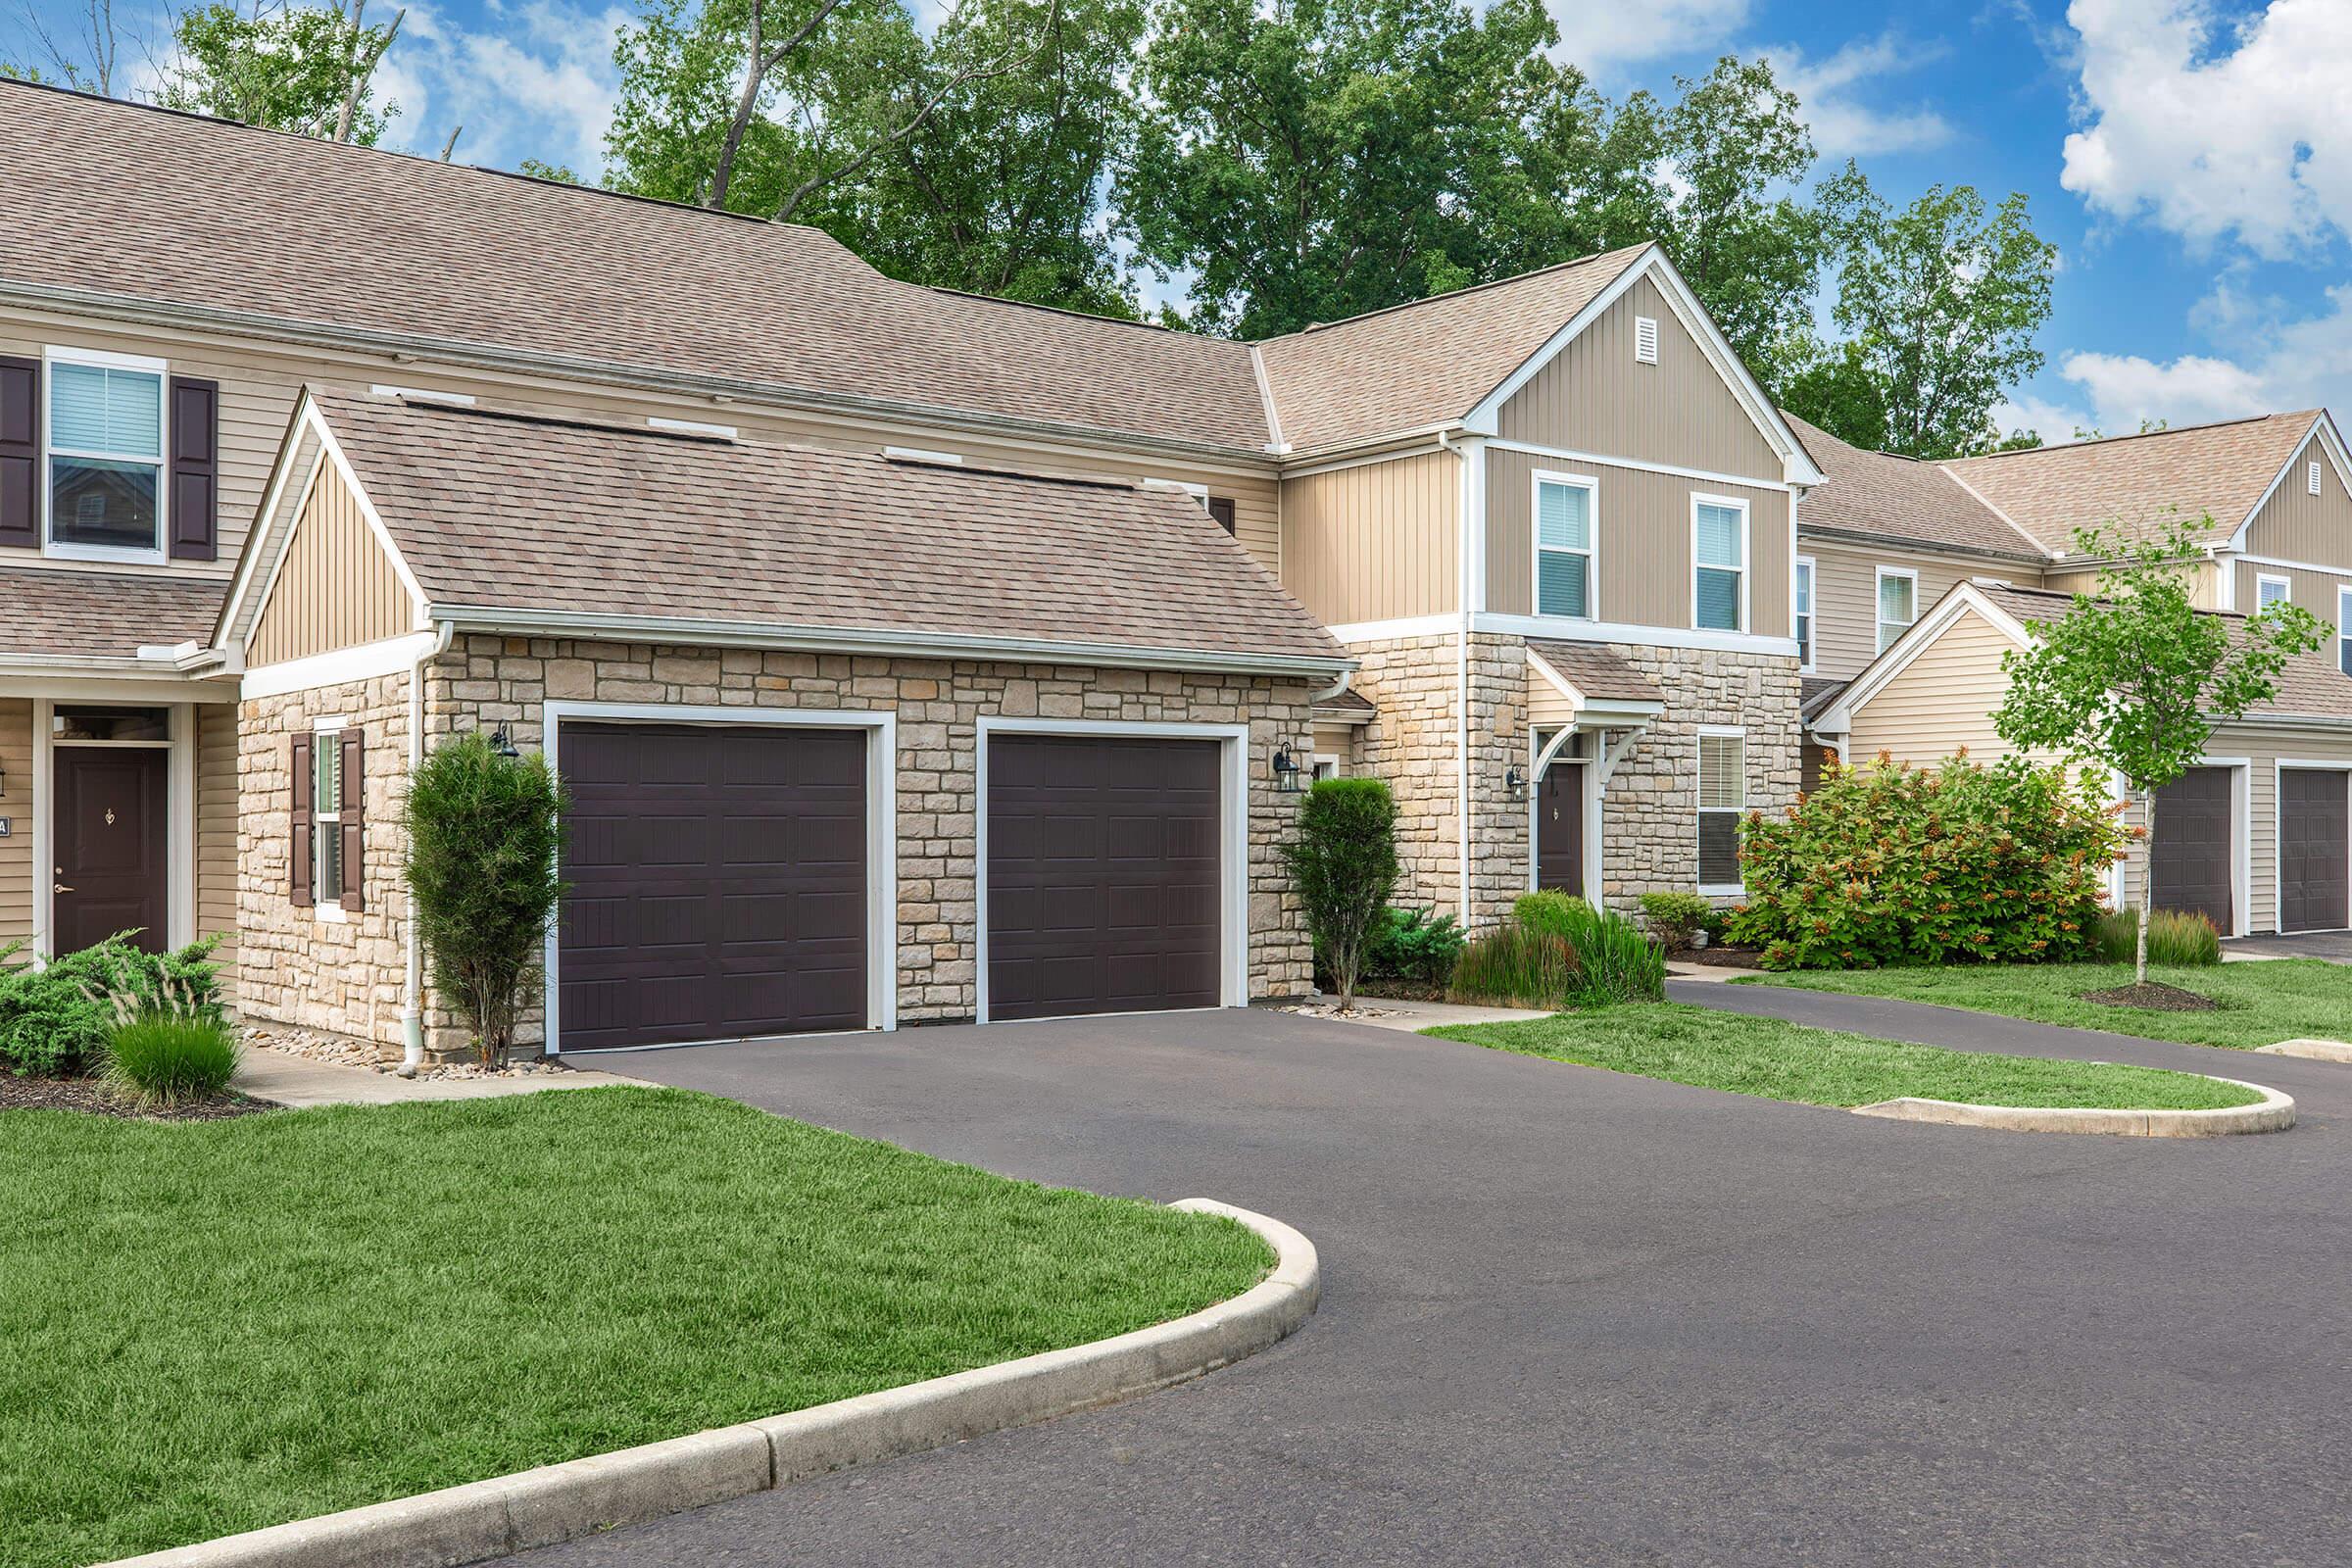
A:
1346,707
1599,673
1889,496
1427,362
149,205
102,614
2135,481
1815,693
516,513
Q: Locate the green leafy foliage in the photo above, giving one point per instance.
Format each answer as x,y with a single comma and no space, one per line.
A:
485,837
55,1020
165,1055
1342,861
1420,946
2178,937
1890,864
1675,916
308,68
1549,911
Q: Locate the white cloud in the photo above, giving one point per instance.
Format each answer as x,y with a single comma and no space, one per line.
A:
542,86
1595,34
1843,126
2215,128
2126,388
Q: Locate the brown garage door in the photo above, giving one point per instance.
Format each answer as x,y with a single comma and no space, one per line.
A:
2314,850
718,883
2196,860
1102,875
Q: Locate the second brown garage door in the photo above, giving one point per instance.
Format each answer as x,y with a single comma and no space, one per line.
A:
2195,856
1103,884
718,883
2314,852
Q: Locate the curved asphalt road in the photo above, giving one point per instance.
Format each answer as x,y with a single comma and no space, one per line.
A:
1575,1317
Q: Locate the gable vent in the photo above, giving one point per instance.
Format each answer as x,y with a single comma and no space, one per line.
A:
2311,481
1645,339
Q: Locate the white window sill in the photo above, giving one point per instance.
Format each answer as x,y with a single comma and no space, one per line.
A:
1723,890
332,914
109,553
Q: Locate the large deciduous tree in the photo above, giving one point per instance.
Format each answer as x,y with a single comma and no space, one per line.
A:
305,69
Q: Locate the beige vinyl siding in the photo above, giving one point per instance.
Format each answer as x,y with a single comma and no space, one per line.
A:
1546,703
1641,535
1942,703
1376,542
216,833
1337,740
15,803
1595,397
2296,525
335,586
1845,594
2315,591
2204,589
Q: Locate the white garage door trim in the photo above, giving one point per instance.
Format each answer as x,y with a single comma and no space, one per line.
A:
881,826
2241,839
1233,818
2280,766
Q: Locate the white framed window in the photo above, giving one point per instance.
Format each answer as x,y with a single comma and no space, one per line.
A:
2344,630
2269,590
1804,615
1722,800
1567,529
1645,339
1719,563
326,817
1327,766
103,455
1898,602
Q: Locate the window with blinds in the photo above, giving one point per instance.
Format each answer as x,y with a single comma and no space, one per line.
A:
1564,548
1722,798
1804,614
1898,603
1719,547
106,457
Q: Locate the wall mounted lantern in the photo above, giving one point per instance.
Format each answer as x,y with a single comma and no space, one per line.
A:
1286,772
1516,781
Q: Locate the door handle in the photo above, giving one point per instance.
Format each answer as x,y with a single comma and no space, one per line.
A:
59,887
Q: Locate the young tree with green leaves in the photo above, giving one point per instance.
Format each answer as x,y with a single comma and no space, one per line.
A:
2134,679
1342,859
299,68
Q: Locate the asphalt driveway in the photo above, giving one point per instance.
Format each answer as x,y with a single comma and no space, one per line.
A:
2333,946
1575,1317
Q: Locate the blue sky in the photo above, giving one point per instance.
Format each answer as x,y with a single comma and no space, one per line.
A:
2184,155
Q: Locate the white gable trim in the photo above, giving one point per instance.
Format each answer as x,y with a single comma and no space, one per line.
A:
1963,598
2332,442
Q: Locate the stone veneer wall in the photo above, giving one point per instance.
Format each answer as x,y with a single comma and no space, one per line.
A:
488,680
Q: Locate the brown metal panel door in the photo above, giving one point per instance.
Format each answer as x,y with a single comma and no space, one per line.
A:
2196,856
718,883
113,847
1103,882
1560,828
2314,850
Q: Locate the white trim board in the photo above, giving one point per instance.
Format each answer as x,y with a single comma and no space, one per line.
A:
1563,629
881,826
2323,426
179,808
390,656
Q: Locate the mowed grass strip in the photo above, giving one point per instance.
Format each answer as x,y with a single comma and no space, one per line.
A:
1774,1060
218,1326
2261,1004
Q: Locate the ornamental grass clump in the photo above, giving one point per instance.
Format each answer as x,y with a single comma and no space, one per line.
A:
163,1056
55,1020
1556,952
1893,864
2181,936
1515,966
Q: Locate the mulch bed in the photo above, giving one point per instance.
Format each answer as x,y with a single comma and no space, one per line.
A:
89,1095
1401,989
1718,957
2155,995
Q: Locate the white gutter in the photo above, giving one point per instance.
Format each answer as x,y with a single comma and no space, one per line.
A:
1461,675
411,995
1335,690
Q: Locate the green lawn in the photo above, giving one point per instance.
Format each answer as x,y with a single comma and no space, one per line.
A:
2262,1003
1778,1061
216,1326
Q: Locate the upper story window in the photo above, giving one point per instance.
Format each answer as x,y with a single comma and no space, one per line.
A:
1804,612
105,456
1564,544
1719,552
2269,590
1222,509
1898,602
2344,630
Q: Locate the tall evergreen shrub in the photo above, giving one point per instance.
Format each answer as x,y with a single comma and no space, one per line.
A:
1342,859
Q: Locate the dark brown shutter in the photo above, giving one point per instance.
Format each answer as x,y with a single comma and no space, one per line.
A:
195,477
354,811
20,452
1222,509
297,881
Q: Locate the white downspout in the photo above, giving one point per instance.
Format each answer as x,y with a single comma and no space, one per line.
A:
412,996
1461,675
1336,690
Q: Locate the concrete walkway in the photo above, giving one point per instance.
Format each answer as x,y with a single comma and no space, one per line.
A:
298,1081
1397,1012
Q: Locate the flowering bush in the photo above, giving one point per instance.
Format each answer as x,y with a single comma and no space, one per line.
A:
1890,864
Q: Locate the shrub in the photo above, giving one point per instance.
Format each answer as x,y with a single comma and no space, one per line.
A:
55,1020
2174,937
163,1055
1515,966
485,838
1549,911
1618,962
1415,944
1891,865
1344,862
1673,916
1588,956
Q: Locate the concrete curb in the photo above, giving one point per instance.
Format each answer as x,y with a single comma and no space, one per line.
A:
506,1514
2313,1049
2274,1114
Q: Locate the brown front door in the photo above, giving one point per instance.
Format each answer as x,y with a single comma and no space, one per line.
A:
1560,828
113,832
2315,851
718,883
2195,855
1103,875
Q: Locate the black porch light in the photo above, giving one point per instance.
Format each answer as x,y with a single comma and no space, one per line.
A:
1286,772
503,744
1515,783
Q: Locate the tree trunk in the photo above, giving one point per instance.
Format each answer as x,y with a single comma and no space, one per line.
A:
2147,894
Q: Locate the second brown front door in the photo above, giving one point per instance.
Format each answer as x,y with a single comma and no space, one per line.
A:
113,829
1560,828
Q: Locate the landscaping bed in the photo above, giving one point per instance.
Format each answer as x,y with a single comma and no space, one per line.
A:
93,1096
2254,1003
225,1325
1774,1060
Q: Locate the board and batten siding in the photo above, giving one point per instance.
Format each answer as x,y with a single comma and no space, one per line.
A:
2204,587
16,850
217,835
2296,525
1941,702
2314,591
1643,535
1379,541
335,587
1845,594
1594,396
